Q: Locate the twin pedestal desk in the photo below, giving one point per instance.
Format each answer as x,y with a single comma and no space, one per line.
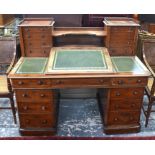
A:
120,81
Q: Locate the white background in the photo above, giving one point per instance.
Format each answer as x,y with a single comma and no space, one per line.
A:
56,147
77,6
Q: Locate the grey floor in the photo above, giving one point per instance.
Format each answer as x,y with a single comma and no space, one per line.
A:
77,118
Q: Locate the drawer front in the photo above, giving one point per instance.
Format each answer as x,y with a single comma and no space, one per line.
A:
123,51
37,36
37,52
128,93
41,29
124,104
139,81
31,83
123,43
34,107
121,29
123,117
38,43
37,121
27,95
121,37
61,83
70,83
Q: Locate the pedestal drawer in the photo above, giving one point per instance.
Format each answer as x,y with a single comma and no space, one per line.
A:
46,30
139,81
126,104
128,93
28,95
37,52
31,83
44,43
37,36
124,51
37,121
36,107
122,29
123,117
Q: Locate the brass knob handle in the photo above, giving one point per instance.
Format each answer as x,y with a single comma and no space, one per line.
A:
120,81
44,122
131,118
118,94
115,119
42,95
116,106
43,108
132,105
58,82
27,121
27,29
101,81
139,81
24,95
135,92
25,108
20,82
40,82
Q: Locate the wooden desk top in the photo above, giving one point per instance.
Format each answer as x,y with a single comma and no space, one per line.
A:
37,22
120,21
124,66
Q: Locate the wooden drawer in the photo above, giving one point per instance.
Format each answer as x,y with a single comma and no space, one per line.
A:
139,81
121,29
37,52
37,36
124,104
31,95
123,118
31,83
40,29
37,40
61,83
123,51
121,37
33,107
79,83
128,93
38,44
122,43
122,47
37,121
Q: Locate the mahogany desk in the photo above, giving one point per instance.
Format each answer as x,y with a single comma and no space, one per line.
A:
120,82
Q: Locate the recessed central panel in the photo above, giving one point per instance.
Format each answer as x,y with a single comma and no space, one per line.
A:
79,60
84,60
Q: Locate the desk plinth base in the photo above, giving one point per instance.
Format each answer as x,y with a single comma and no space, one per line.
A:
39,132
122,129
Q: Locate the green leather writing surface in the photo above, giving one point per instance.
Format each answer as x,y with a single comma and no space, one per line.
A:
32,66
79,60
126,64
